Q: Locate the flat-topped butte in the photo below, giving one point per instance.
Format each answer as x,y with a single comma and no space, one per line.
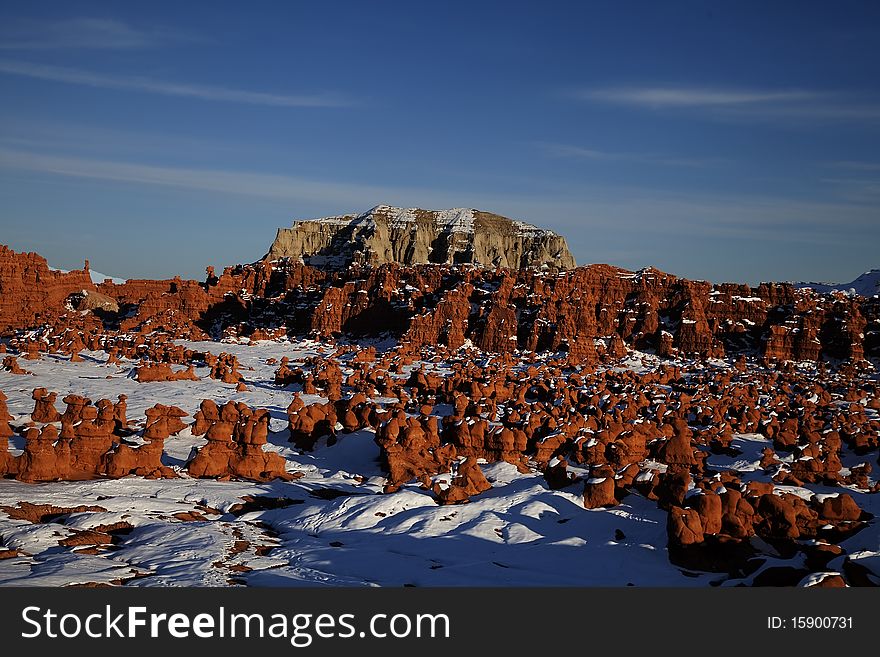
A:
412,236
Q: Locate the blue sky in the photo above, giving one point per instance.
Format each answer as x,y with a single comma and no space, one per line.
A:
726,141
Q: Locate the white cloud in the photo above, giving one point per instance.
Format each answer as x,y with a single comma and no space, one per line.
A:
741,104
660,97
214,180
571,151
614,209
856,190
163,87
855,165
89,33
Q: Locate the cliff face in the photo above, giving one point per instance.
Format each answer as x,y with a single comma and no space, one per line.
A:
585,312
414,236
31,292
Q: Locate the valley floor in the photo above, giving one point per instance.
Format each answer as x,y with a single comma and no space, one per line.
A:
333,525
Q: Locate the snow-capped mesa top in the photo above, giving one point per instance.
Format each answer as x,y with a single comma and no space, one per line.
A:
866,285
415,236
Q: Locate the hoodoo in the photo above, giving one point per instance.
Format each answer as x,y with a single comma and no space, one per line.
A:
412,236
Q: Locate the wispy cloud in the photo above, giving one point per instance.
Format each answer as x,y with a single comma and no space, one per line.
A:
168,88
741,104
63,136
662,97
91,33
855,165
255,184
570,151
620,209
856,190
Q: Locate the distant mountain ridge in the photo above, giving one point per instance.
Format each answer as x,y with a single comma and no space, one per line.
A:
866,285
412,236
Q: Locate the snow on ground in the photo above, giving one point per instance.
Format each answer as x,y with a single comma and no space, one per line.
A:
519,533
332,526
750,447
95,379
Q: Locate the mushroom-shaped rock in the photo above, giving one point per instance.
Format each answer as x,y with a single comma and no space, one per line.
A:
684,527
44,406
599,489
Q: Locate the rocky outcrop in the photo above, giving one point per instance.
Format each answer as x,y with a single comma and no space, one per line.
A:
10,364
676,432
414,236
599,490
588,313
151,372
8,463
236,435
92,442
44,406
86,446
31,292
92,300
468,480
146,460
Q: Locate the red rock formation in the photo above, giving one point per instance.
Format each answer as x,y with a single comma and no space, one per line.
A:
498,310
827,581
599,488
557,475
31,293
206,416
444,325
737,514
517,353
44,406
33,350
150,372
120,411
684,527
86,448
235,446
41,460
468,480
411,448
75,406
284,375
10,364
308,424
8,464
93,440
839,508
225,369
677,450
146,460
709,507
779,517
